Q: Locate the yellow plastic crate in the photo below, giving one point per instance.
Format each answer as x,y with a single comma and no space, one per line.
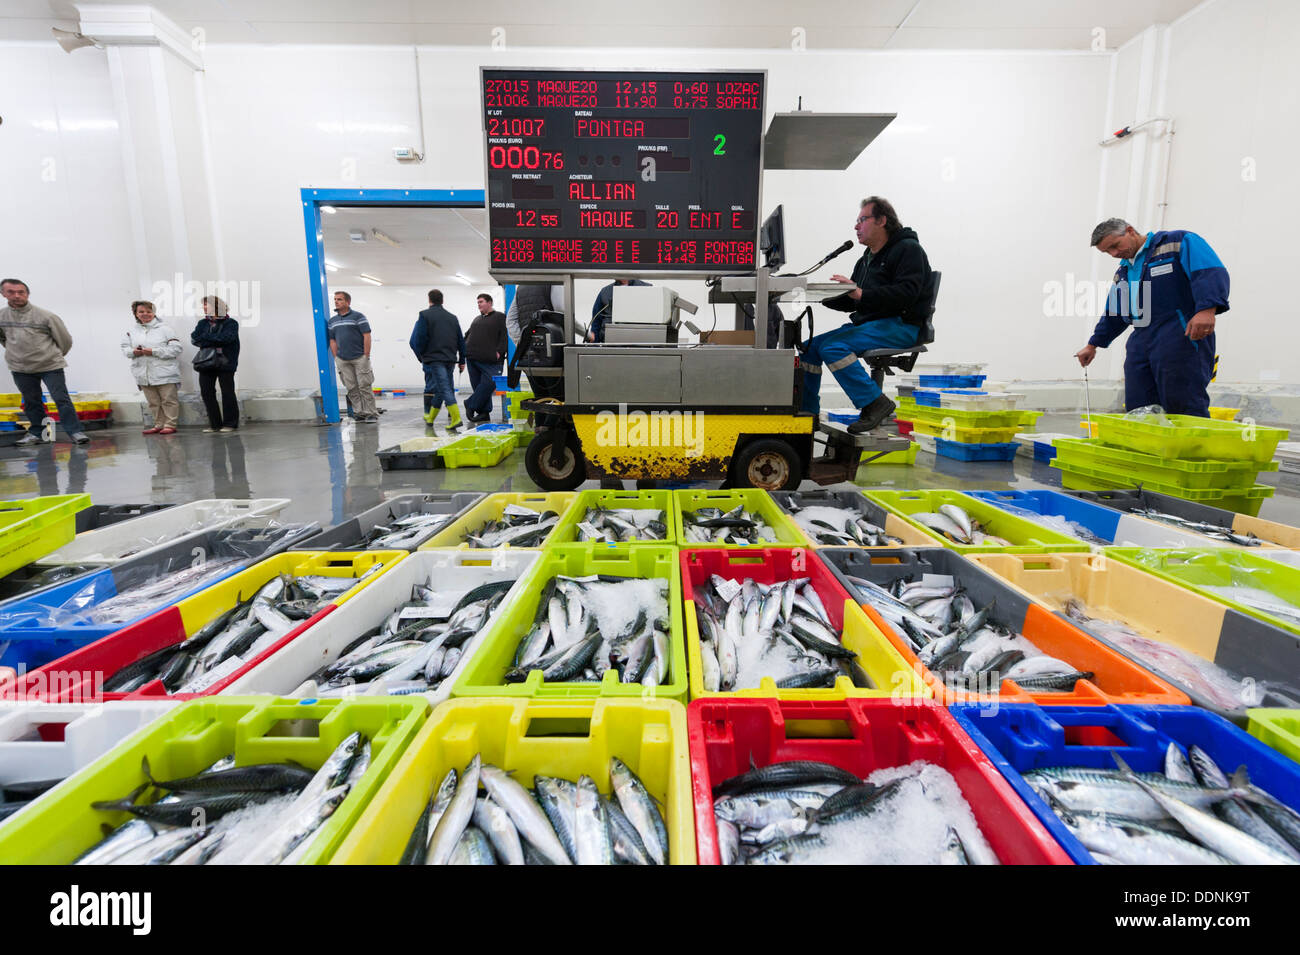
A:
490,509
31,529
1224,414
217,599
529,739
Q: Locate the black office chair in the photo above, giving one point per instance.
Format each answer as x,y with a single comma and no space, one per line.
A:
883,361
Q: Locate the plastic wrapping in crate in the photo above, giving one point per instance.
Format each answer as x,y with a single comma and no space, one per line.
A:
32,529
449,573
493,508
1210,571
1111,526
1021,738
478,451
1184,625
1147,468
755,502
1185,436
158,529
1129,499
192,737
82,672
562,739
1025,536
485,674
353,533
890,672
566,531
973,451
792,502
729,737
44,743
1115,678
55,620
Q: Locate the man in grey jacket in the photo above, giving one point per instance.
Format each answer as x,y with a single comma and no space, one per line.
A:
35,341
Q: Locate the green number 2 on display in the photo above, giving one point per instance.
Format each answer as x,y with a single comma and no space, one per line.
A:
721,148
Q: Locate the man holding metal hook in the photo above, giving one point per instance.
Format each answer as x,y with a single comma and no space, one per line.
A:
1169,286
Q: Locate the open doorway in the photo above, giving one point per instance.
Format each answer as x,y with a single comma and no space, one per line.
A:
387,249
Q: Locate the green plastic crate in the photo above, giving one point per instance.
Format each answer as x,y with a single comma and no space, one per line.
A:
1242,500
478,450
1189,437
1026,536
961,418
256,729
967,435
754,501
31,529
1144,468
515,398
566,532
1277,728
491,508
1219,567
484,676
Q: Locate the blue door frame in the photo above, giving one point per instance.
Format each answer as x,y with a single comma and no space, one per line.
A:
312,200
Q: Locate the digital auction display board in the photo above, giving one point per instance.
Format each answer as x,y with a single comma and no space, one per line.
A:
624,172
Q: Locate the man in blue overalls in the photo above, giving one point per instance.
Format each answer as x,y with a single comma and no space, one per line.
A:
1169,286
890,282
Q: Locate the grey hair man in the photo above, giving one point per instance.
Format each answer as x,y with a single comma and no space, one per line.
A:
1169,287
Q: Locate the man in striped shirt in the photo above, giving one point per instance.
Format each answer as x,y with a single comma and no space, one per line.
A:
349,338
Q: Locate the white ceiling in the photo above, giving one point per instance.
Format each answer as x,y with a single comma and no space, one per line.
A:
454,238
736,24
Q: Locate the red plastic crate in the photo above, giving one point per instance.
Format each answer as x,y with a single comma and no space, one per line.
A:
904,427
726,734
78,676
765,565
98,414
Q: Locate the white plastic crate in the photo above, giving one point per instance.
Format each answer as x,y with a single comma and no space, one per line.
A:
993,401
90,730
452,573
926,441
148,532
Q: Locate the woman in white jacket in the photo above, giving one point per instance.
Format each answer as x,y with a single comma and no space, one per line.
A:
155,351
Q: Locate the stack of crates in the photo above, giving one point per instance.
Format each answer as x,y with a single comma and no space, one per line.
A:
12,417
1196,459
967,423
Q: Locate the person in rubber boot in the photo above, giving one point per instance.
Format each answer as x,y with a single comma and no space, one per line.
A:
889,284
1169,286
440,345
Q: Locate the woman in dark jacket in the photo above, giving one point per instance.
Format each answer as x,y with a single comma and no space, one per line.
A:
218,330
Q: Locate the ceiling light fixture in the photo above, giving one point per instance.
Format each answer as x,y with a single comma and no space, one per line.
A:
430,262
370,278
356,235
330,209
385,238
463,278
331,267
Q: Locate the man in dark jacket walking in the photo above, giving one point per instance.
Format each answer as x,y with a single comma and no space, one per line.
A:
440,345
890,282
485,350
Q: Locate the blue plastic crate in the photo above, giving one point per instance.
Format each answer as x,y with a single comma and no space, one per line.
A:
1044,450
928,399
1102,521
843,417
1021,737
961,451
952,381
502,383
491,426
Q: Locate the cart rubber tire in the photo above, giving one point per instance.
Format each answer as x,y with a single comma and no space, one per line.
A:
540,471
769,464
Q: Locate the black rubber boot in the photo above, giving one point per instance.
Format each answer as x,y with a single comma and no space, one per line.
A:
873,415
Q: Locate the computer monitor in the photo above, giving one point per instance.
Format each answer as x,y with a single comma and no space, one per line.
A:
772,239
